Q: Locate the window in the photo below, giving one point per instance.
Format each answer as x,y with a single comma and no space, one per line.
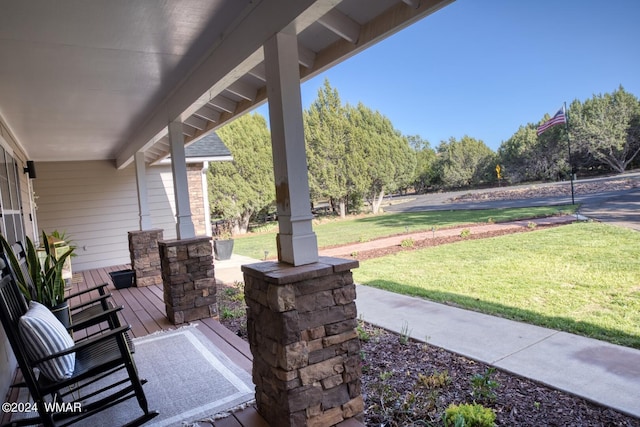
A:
11,223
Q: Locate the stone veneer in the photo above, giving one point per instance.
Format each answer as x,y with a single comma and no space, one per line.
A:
302,333
188,279
145,258
196,197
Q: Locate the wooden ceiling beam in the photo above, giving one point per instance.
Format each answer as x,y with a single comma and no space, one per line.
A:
208,114
306,57
224,104
259,72
243,90
196,122
342,25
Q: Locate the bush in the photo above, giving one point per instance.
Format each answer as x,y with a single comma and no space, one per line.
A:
467,415
408,243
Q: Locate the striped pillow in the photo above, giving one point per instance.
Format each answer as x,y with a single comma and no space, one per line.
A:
43,335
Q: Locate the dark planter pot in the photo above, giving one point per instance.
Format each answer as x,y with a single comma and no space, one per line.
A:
62,313
123,278
223,249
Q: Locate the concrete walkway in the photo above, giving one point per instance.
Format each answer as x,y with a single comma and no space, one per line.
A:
596,370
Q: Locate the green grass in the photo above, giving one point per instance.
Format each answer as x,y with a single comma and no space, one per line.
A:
582,278
338,232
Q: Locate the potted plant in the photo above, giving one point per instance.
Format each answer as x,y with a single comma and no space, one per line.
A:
223,241
42,281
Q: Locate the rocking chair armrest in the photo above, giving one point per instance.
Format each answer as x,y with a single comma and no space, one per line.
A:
99,288
81,305
87,343
104,316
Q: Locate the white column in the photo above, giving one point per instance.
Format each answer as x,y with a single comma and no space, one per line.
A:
205,201
143,198
184,225
297,243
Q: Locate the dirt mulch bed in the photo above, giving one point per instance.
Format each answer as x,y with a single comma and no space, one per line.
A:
437,241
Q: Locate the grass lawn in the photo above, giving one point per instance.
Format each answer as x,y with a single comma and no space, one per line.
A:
332,232
582,278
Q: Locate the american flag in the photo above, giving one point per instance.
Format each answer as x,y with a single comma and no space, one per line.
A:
558,118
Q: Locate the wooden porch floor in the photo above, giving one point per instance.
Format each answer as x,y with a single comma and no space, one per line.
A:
144,310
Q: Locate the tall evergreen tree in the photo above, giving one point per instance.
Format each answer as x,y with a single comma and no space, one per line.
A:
465,162
327,137
245,186
387,162
425,172
528,157
608,128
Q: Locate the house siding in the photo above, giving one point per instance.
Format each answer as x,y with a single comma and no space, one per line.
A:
7,360
97,205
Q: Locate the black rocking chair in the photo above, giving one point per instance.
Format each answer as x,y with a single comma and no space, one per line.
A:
92,310
96,359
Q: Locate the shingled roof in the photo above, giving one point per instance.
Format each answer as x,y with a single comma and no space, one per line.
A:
207,149
209,146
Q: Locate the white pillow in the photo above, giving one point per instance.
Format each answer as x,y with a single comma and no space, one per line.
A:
43,334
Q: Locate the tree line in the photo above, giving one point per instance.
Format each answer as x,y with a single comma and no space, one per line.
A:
355,155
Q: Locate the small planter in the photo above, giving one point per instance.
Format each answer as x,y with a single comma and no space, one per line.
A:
62,313
223,249
123,278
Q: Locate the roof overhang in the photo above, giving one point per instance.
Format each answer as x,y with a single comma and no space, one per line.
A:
102,79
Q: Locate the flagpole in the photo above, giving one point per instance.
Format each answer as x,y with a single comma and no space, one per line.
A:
566,124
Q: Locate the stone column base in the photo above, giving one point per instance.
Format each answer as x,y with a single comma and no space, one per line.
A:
188,279
145,259
302,333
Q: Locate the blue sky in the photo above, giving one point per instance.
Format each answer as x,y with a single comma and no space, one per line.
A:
483,68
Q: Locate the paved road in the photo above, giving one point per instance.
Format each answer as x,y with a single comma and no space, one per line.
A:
619,207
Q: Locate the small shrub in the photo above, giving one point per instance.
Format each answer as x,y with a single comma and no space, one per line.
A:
465,233
391,408
469,415
532,225
363,335
435,380
405,333
483,386
227,313
354,254
408,242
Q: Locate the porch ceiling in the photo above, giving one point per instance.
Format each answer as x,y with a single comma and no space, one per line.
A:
93,80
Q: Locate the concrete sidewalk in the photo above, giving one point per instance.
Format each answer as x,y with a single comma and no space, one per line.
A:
598,371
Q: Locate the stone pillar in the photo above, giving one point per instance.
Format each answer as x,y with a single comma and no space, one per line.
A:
145,259
302,332
188,279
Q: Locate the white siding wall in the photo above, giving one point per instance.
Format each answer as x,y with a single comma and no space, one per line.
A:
7,360
96,205
161,200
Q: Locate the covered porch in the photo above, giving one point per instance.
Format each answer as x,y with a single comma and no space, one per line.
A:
144,310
